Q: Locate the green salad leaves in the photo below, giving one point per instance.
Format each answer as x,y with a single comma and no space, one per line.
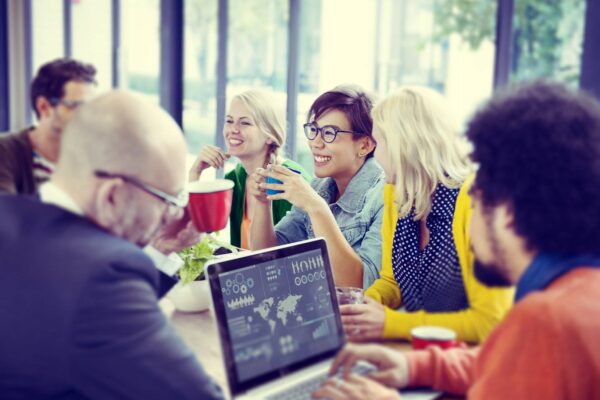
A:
195,258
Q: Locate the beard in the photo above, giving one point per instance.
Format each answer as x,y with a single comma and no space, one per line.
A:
491,275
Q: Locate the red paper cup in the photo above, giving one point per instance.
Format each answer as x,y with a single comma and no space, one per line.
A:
210,204
425,336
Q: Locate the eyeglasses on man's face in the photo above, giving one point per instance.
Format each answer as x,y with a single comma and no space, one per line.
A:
180,200
328,132
70,104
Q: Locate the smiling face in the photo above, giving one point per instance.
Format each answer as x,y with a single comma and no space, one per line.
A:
340,159
243,138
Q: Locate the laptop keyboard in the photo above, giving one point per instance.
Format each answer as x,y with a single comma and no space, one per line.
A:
304,389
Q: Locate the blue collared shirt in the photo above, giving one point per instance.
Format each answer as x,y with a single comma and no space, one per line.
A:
358,213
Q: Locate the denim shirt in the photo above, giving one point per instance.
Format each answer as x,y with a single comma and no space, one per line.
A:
358,213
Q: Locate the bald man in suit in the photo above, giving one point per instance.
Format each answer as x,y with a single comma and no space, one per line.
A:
78,296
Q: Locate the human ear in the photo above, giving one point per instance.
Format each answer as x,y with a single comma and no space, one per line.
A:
506,216
110,206
366,146
43,107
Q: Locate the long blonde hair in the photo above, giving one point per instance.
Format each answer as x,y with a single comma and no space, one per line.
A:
424,145
269,118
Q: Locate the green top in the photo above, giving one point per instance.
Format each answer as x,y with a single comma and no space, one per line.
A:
280,207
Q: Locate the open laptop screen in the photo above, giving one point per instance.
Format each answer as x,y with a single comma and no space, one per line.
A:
278,309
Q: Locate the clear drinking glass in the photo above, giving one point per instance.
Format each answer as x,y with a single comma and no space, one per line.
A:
350,295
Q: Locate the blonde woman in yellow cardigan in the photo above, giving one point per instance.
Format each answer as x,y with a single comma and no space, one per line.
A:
427,264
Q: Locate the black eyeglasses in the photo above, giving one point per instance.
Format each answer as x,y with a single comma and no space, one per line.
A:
180,200
70,104
328,132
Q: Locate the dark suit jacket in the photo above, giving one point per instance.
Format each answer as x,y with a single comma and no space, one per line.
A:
79,316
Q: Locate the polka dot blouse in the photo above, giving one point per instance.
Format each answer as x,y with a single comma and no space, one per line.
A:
429,279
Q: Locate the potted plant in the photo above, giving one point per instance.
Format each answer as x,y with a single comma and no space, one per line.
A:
191,293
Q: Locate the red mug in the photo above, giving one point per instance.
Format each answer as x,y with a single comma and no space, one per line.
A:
425,336
210,204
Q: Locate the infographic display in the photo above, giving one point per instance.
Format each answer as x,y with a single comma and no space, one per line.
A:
278,312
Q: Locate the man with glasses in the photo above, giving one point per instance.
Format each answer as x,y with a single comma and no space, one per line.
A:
27,157
78,296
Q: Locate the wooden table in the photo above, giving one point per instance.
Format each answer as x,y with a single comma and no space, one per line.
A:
199,332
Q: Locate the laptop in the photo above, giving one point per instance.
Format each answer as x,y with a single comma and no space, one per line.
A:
278,320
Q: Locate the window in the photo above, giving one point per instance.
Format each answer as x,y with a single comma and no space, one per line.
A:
92,38
47,26
199,105
384,44
547,40
379,44
140,47
257,49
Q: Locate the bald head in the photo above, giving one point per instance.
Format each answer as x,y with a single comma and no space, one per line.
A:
127,137
120,132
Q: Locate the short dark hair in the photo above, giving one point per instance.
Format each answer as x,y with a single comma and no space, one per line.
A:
538,150
51,78
353,101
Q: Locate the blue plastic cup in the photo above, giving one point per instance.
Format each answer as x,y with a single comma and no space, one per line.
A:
276,181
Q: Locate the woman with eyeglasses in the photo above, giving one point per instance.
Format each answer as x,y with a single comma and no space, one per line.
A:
254,132
427,264
343,203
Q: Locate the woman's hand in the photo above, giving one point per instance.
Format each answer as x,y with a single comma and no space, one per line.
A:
363,322
295,189
210,156
253,187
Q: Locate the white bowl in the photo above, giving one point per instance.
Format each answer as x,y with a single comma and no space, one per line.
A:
193,297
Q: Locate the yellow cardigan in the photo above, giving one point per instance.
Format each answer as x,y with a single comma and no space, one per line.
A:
487,306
